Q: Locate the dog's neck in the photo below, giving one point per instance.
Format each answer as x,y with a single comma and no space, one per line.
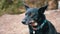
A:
41,19
41,26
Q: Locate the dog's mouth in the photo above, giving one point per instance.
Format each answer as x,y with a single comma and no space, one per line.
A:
33,24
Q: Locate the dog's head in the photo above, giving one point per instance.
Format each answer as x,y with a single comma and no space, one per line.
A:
34,15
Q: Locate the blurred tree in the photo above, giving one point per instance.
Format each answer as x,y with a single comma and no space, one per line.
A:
11,6
52,4
6,3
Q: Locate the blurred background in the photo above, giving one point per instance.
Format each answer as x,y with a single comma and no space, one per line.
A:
15,6
12,12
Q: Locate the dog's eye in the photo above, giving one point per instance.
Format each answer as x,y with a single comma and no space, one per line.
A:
32,15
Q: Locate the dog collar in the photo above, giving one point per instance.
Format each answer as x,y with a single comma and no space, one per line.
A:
41,26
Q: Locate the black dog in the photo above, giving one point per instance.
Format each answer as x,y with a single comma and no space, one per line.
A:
37,22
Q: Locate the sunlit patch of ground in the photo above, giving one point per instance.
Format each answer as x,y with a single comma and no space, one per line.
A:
54,17
11,24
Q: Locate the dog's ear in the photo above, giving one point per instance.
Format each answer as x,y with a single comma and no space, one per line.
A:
42,9
26,7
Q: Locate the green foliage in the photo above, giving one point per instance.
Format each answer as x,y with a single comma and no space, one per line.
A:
13,8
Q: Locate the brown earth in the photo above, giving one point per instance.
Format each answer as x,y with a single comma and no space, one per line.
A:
11,24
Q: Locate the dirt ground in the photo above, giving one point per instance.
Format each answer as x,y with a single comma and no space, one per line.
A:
11,24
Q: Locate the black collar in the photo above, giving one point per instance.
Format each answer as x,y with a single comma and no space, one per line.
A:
41,26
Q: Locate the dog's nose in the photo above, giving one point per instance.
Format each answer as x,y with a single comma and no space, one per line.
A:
23,22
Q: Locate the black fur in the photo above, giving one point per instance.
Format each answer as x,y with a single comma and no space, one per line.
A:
47,28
